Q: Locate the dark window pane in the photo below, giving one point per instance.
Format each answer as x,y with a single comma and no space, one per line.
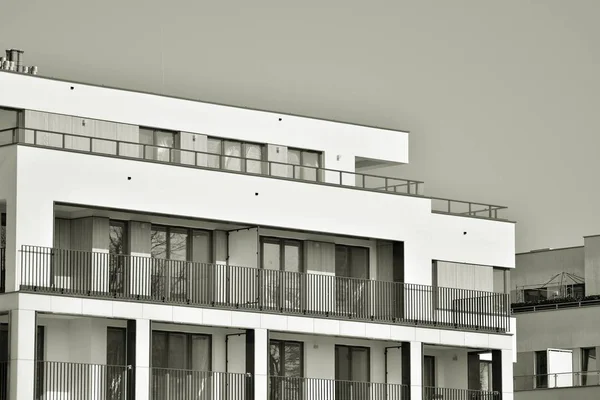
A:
159,350
177,351
158,242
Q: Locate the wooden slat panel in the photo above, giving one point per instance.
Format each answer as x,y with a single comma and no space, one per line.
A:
385,261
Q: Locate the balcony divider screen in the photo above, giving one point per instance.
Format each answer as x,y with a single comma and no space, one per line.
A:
316,293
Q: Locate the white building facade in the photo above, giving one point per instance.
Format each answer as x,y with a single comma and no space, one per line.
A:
164,248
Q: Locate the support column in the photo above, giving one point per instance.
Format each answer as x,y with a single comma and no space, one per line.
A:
257,348
22,354
406,366
416,370
141,380
502,373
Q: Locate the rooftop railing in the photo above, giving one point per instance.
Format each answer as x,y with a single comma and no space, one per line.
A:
558,380
100,274
231,163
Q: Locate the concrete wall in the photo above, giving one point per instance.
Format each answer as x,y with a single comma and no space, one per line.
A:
577,393
592,265
566,328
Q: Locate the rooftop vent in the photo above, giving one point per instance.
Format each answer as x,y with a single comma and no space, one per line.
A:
13,62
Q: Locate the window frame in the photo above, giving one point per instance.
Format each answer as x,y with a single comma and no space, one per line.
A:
243,158
187,354
301,164
281,343
282,242
155,147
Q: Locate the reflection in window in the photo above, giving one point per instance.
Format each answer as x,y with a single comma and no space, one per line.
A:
169,278
485,375
117,238
235,155
157,144
180,361
588,364
286,360
305,164
541,369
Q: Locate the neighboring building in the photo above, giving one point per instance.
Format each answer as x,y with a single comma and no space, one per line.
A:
162,248
556,301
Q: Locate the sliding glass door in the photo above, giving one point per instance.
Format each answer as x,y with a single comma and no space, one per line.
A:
181,364
281,283
116,357
352,274
286,366
352,372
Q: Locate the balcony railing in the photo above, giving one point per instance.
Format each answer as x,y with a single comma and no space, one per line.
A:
273,169
179,384
559,380
101,274
438,393
76,381
297,388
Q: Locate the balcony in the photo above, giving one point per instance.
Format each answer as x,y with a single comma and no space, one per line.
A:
178,384
138,278
269,169
296,388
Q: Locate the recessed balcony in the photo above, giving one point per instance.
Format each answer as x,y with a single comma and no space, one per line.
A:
141,278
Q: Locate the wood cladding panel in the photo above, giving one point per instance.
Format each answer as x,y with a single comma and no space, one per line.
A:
385,261
465,276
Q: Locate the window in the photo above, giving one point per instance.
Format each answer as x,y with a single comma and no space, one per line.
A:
308,163
485,375
281,290
353,369
541,369
183,351
576,291
588,364
351,294
3,231
116,358
117,244
180,361
171,248
428,371
157,144
286,368
236,155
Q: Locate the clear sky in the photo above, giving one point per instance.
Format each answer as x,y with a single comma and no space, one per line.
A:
501,97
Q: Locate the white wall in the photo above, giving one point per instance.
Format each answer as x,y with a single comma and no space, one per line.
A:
450,366
346,140
103,182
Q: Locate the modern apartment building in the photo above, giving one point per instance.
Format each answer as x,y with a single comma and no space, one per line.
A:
556,301
167,249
